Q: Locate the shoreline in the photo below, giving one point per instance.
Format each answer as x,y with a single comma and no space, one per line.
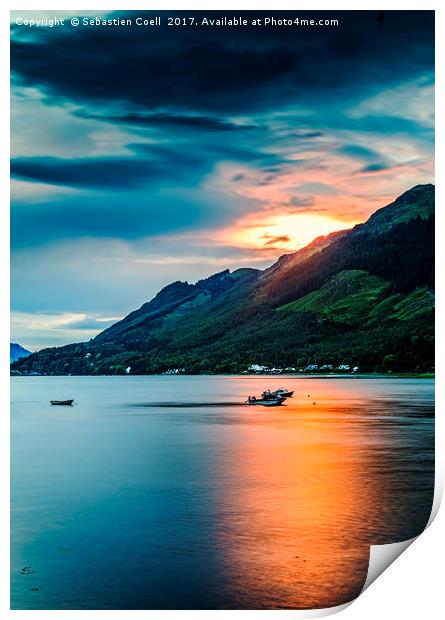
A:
285,375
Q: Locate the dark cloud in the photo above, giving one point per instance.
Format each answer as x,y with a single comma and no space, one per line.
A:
374,161
238,177
128,214
304,134
272,173
118,215
226,69
377,167
359,152
210,152
271,240
111,172
300,201
86,68
205,123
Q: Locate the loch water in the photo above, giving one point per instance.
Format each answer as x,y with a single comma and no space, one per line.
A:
168,492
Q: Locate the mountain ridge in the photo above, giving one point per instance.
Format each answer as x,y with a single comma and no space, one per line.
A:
16,352
380,273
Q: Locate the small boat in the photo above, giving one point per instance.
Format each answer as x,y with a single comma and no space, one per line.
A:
265,402
283,392
280,393
62,402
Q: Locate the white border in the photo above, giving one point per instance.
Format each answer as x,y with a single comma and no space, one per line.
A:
425,574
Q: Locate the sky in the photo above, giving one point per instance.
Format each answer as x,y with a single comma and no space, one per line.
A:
142,155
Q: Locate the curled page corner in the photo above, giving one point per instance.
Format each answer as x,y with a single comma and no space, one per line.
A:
382,556
310,613
438,493
328,611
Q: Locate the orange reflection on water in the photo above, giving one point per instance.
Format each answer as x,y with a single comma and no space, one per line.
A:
295,505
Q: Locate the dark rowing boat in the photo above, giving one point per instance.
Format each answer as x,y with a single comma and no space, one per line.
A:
62,402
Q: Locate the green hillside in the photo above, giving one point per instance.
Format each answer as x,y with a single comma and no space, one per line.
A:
349,296
419,302
355,296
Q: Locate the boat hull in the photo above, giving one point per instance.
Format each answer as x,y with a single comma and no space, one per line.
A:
268,403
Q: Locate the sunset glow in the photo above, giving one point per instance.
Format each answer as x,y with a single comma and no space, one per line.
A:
308,539
288,232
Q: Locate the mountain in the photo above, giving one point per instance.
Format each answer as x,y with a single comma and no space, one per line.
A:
418,201
178,300
17,352
362,296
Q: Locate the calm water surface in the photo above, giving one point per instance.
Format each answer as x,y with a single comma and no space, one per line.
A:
166,492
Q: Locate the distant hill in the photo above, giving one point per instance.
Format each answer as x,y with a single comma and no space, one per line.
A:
17,352
363,297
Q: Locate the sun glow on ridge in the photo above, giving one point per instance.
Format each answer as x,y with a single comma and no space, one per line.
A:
288,232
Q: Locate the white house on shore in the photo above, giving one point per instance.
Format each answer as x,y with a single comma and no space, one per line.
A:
258,368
